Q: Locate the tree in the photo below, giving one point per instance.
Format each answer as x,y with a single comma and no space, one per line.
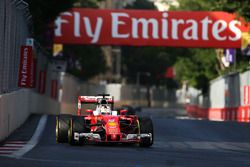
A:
141,4
43,14
198,68
194,5
241,7
81,64
84,61
88,3
202,65
153,60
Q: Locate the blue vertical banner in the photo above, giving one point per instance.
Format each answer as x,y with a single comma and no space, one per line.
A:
230,55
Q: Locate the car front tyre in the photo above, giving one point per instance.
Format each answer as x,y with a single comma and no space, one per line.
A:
62,126
77,125
146,127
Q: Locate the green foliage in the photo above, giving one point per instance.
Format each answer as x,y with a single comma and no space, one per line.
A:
88,3
84,61
43,13
241,7
141,4
90,58
201,65
145,59
198,68
153,60
195,5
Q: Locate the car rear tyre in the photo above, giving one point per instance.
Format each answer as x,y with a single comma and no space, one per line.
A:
62,126
146,127
77,125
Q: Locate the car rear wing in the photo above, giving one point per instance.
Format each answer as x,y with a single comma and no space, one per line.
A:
94,100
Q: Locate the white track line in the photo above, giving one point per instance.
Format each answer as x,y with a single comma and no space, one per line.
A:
9,148
187,118
15,142
5,152
13,145
34,140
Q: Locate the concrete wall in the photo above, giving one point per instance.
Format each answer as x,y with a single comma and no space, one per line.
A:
245,88
217,92
68,94
123,94
13,111
39,104
15,108
226,91
229,99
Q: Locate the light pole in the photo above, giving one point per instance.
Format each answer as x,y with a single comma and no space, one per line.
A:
138,78
139,74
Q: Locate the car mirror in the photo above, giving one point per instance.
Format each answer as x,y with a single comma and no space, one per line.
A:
114,113
89,111
95,113
123,112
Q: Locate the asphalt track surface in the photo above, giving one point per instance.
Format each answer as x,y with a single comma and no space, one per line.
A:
179,142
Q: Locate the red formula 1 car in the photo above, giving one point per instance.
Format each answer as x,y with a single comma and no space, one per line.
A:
103,125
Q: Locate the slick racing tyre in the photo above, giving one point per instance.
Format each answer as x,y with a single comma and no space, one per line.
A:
62,126
77,126
146,127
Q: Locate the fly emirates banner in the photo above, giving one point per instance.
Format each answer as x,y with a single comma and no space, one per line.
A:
149,28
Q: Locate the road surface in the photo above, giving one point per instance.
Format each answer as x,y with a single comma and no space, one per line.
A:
179,142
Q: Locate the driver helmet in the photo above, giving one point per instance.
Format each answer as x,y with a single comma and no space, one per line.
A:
103,104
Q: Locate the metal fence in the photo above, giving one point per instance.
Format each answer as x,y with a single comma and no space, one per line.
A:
15,22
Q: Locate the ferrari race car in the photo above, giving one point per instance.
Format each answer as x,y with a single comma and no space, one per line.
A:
103,125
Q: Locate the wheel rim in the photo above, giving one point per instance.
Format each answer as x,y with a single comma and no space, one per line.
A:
138,126
70,133
57,129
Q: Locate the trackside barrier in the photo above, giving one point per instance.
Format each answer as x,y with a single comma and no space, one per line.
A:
70,88
229,99
240,114
40,104
15,108
13,111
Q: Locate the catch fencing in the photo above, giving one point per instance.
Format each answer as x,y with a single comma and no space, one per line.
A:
17,104
15,28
